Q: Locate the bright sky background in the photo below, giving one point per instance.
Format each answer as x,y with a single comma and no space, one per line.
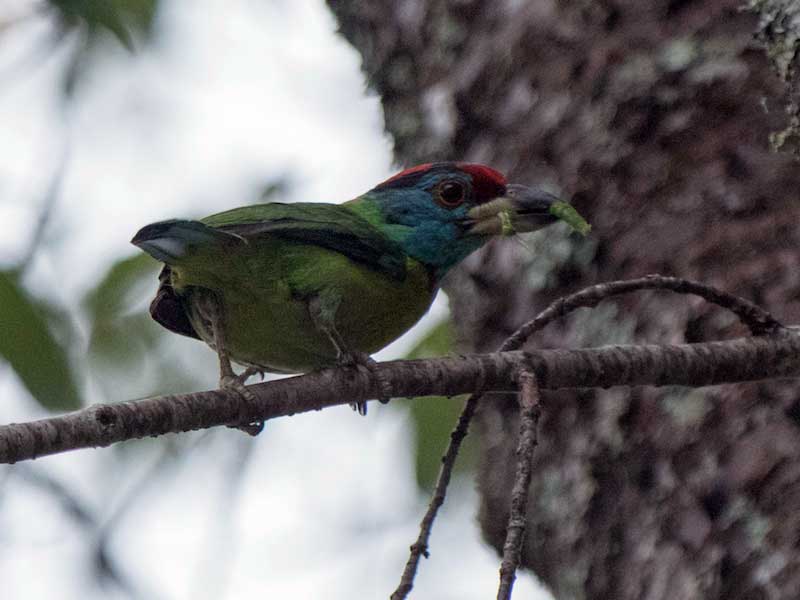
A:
232,94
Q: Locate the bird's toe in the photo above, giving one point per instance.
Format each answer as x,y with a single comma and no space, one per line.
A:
236,385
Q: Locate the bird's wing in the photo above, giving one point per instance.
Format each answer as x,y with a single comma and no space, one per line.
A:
330,226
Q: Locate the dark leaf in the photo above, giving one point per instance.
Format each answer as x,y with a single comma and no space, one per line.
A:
109,297
438,342
120,334
122,18
434,418
29,346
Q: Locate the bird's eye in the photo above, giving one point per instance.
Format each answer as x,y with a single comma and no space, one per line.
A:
450,194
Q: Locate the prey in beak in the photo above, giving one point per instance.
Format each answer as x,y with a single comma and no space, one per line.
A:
519,210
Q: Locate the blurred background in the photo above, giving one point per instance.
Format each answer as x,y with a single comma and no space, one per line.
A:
672,125
117,114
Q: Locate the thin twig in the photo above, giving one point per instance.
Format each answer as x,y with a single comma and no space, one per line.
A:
75,507
515,532
51,196
758,320
36,55
71,502
215,568
420,547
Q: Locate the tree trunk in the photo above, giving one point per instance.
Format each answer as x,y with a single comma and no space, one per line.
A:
654,117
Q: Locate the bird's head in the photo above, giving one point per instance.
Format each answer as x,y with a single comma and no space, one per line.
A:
441,212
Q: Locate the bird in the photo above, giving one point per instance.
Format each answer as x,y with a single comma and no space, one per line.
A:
294,287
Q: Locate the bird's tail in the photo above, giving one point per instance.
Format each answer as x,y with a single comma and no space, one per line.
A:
175,239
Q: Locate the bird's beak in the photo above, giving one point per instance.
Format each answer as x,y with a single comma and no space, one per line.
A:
521,209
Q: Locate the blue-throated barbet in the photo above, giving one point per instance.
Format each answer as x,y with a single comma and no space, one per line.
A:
292,287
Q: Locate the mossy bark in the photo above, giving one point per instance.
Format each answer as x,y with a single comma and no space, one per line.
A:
659,119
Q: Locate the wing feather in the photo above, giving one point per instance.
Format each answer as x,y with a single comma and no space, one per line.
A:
330,226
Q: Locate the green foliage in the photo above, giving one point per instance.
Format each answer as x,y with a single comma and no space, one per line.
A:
125,20
118,333
122,18
434,418
439,341
29,346
109,297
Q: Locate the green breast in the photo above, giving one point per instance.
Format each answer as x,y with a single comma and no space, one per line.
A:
265,289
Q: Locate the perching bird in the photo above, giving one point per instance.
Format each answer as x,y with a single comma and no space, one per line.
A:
288,288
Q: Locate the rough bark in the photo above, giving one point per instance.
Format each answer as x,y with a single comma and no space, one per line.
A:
655,117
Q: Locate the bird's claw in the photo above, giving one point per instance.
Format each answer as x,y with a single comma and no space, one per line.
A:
235,384
362,359
242,377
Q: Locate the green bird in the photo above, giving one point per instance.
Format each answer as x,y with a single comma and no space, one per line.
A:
287,288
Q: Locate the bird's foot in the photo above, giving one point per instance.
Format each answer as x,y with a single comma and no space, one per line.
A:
362,359
236,384
248,373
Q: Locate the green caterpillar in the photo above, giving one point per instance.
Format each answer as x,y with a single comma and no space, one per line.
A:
570,216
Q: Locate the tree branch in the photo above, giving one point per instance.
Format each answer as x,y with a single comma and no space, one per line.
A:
515,532
741,359
420,547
